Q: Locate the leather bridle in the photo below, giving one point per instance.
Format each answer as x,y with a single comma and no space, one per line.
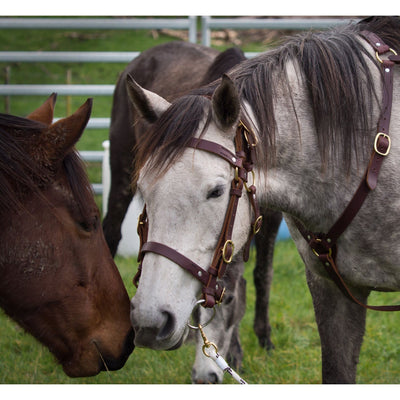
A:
242,162
324,245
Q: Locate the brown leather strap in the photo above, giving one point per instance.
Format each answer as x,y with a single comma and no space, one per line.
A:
324,245
242,161
330,265
217,149
375,41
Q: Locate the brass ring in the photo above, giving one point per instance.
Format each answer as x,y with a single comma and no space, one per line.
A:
380,59
329,252
196,328
228,260
254,181
208,345
246,131
259,222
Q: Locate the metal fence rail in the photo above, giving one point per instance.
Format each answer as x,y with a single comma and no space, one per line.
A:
68,56
208,23
185,23
189,23
62,90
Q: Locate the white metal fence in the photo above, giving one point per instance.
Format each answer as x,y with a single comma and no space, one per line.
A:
185,23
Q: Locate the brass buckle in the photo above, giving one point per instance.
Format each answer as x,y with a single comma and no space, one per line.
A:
237,174
315,252
246,131
228,260
380,59
376,144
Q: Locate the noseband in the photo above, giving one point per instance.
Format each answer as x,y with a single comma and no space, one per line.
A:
242,161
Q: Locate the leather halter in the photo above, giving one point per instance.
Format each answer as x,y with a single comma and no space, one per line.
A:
324,245
242,162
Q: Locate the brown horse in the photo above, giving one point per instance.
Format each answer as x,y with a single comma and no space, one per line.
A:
58,279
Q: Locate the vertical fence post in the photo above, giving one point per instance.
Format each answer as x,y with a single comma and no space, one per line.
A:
205,32
69,82
7,76
192,30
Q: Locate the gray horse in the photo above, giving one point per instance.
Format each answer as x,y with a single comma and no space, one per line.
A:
172,69
318,108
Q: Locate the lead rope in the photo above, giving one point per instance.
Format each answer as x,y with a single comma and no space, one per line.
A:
217,358
213,349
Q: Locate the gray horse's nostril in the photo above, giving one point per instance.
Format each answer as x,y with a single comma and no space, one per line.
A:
209,378
168,328
213,378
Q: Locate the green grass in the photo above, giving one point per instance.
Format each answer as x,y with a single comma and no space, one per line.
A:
295,359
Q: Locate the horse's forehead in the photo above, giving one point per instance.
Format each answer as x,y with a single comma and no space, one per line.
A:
189,173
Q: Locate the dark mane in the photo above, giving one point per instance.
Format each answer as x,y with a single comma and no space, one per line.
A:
338,79
21,174
223,63
170,134
336,74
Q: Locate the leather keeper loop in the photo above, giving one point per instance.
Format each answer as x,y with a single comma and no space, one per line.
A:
236,192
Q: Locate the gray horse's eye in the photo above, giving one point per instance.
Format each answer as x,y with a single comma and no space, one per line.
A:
218,191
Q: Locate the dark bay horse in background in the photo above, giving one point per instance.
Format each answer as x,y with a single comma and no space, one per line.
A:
311,118
58,279
172,69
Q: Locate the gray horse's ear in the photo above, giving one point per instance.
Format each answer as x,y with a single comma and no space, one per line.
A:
226,104
149,105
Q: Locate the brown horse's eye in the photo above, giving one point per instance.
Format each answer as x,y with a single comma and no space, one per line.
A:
85,226
89,225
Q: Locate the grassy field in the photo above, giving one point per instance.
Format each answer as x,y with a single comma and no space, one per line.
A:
296,358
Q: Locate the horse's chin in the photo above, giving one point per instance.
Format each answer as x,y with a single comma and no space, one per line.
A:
144,340
180,341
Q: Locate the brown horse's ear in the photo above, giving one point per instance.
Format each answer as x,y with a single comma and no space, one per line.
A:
149,105
63,134
226,104
45,112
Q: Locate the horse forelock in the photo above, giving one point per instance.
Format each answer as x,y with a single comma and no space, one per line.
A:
168,137
22,175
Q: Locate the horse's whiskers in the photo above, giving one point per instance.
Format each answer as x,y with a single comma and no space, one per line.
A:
101,356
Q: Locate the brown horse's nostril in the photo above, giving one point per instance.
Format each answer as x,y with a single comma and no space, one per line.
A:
168,328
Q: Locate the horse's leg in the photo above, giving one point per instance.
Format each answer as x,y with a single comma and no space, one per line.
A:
119,198
122,140
341,325
263,272
235,352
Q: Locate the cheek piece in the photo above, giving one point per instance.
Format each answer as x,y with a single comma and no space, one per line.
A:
242,162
